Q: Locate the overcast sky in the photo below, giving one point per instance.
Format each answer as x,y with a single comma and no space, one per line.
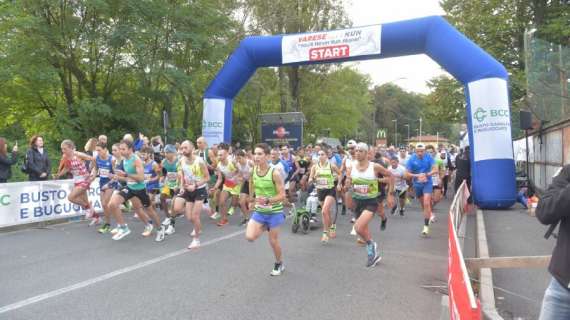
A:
415,70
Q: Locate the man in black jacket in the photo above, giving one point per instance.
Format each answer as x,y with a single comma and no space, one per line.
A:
39,165
554,207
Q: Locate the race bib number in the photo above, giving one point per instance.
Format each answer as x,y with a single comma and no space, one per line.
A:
260,203
361,189
147,177
171,176
322,182
104,173
435,180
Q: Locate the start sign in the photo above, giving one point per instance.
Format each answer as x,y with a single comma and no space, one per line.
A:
331,45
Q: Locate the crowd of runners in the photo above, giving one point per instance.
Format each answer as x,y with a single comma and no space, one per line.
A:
164,183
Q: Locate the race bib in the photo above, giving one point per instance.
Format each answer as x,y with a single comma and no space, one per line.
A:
322,182
301,170
147,177
260,203
435,180
77,179
171,176
230,183
104,173
361,189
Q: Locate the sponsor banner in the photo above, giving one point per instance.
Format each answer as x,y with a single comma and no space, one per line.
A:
490,119
331,45
462,302
27,202
213,120
276,134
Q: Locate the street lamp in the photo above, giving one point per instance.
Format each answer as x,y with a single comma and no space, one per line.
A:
420,136
408,126
395,132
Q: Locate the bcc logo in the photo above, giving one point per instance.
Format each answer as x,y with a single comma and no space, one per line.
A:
212,124
480,114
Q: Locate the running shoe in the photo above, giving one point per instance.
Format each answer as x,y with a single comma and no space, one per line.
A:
106,228
401,212
193,233
332,231
425,231
195,244
394,210
115,230
373,255
160,234
244,222
222,222
325,238
121,233
215,216
432,218
166,222
89,213
95,221
278,269
231,211
353,231
352,220
383,224
169,230
147,230
136,216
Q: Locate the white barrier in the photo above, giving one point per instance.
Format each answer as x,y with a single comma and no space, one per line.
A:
28,202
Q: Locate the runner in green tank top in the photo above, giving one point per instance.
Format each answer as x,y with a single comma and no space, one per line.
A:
134,191
170,186
268,193
362,177
323,174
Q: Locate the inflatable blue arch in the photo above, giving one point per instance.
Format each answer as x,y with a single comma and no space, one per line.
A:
485,81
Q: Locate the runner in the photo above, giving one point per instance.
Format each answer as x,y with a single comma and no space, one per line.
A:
193,173
304,168
152,177
436,179
230,180
421,167
170,186
103,168
74,162
135,191
382,184
268,194
323,174
294,169
245,167
400,184
362,177
277,163
346,198
209,155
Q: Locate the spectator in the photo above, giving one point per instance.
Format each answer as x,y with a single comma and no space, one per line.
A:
39,164
554,208
463,169
5,162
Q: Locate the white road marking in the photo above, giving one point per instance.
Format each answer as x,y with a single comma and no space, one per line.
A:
107,276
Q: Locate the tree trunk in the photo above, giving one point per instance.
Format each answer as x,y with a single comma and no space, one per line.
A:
283,89
294,88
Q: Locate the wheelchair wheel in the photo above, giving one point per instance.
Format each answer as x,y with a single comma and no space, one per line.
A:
295,227
305,224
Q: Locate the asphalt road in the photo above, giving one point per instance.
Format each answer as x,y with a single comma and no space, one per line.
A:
518,292
70,271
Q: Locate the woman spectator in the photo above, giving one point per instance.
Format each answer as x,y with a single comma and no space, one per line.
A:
39,164
5,162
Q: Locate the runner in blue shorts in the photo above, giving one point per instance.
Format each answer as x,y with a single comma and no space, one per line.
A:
421,167
268,195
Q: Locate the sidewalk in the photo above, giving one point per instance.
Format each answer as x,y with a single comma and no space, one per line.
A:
518,292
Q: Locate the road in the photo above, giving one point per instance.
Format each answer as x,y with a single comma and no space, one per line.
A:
69,271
